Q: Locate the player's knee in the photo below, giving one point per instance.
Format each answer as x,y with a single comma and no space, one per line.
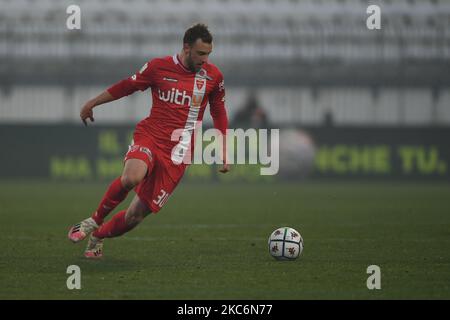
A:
129,181
135,218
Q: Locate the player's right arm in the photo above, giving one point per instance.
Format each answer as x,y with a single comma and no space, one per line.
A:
139,81
87,113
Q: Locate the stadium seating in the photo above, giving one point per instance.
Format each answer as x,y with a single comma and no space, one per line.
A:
307,29
289,32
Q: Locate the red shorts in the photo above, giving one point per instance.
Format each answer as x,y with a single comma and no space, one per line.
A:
161,178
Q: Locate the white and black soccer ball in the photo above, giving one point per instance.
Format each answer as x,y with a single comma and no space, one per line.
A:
285,244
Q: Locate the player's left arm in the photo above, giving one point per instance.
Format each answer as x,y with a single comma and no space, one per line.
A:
219,116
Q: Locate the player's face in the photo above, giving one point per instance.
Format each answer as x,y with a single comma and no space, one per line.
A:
197,54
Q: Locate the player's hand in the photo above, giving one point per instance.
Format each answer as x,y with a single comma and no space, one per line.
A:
225,168
86,112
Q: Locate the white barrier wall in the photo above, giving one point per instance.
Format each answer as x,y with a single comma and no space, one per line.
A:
349,106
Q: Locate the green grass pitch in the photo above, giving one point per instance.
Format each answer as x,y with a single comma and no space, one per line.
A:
210,242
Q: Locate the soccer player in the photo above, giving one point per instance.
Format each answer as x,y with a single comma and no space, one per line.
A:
181,86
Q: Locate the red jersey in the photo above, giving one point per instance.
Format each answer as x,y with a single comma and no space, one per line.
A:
180,97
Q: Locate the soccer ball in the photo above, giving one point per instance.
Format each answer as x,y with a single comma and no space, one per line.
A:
285,244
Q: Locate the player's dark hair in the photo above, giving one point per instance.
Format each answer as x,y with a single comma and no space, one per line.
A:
197,31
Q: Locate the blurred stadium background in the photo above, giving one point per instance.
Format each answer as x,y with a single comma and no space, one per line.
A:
351,103
305,64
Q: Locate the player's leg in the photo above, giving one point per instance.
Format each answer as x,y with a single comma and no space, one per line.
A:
152,194
136,212
120,223
133,173
124,220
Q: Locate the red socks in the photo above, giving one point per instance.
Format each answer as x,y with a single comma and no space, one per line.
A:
117,226
115,194
114,227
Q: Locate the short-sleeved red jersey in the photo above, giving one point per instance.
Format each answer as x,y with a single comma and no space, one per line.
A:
180,97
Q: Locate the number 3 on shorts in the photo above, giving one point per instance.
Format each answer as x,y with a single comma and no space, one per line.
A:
162,198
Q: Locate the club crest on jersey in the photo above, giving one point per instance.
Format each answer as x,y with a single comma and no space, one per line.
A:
200,83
